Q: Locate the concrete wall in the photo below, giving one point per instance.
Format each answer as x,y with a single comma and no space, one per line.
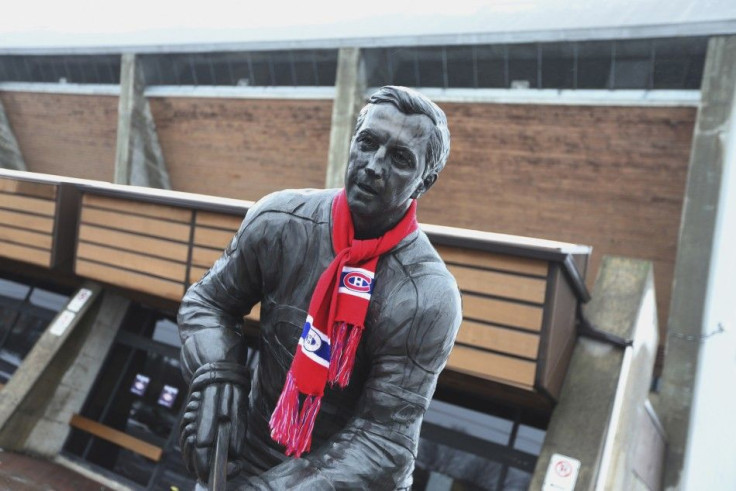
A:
601,418
712,436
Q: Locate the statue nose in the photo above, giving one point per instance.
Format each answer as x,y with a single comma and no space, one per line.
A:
373,172
374,167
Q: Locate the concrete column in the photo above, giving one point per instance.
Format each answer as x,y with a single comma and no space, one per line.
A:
52,428
349,99
714,129
605,390
25,396
138,157
10,155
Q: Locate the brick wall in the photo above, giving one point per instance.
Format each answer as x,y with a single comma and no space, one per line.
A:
243,148
610,177
65,134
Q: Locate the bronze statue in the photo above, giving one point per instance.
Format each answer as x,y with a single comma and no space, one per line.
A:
358,317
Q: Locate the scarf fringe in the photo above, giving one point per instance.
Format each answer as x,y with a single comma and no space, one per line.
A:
291,427
337,346
341,366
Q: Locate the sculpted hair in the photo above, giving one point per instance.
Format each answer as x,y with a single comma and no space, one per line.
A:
409,101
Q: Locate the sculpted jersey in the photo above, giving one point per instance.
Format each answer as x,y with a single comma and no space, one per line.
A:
365,435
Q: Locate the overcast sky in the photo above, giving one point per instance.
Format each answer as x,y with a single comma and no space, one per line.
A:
125,22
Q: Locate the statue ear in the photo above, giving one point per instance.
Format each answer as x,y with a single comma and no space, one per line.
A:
427,183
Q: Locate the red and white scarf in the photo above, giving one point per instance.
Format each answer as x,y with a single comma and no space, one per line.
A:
334,325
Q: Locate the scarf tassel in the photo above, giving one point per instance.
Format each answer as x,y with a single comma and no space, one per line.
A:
346,346
290,426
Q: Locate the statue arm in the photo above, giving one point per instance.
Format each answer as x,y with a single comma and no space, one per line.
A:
213,355
378,446
211,312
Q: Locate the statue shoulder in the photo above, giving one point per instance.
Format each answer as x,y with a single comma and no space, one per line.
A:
307,203
283,206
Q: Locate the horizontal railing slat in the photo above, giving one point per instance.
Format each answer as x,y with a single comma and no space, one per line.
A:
153,227
160,287
492,366
499,284
27,188
25,253
499,339
502,312
205,257
24,220
218,220
211,237
29,205
145,264
502,262
176,251
35,239
153,210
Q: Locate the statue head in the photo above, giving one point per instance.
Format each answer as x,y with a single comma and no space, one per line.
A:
400,145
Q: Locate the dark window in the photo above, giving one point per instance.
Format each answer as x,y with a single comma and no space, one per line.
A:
282,66
594,65
492,66
378,67
78,69
258,68
462,66
675,63
633,67
558,66
467,449
404,67
678,63
140,391
431,67
523,66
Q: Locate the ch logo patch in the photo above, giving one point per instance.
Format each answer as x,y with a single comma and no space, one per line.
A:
315,344
312,342
357,282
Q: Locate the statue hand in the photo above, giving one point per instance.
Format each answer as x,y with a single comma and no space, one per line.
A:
217,395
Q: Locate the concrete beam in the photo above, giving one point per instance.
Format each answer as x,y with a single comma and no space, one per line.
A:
138,157
714,129
10,154
606,387
349,90
27,392
52,428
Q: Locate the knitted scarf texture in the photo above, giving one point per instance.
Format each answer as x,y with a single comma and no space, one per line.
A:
334,326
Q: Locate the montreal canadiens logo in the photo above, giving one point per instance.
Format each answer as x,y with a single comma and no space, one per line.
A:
312,342
357,282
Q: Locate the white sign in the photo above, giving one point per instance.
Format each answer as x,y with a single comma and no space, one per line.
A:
79,300
62,322
562,473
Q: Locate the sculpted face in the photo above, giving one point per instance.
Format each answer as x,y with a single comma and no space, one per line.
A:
387,168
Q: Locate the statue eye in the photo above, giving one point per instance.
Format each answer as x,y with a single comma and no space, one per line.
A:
403,158
367,142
